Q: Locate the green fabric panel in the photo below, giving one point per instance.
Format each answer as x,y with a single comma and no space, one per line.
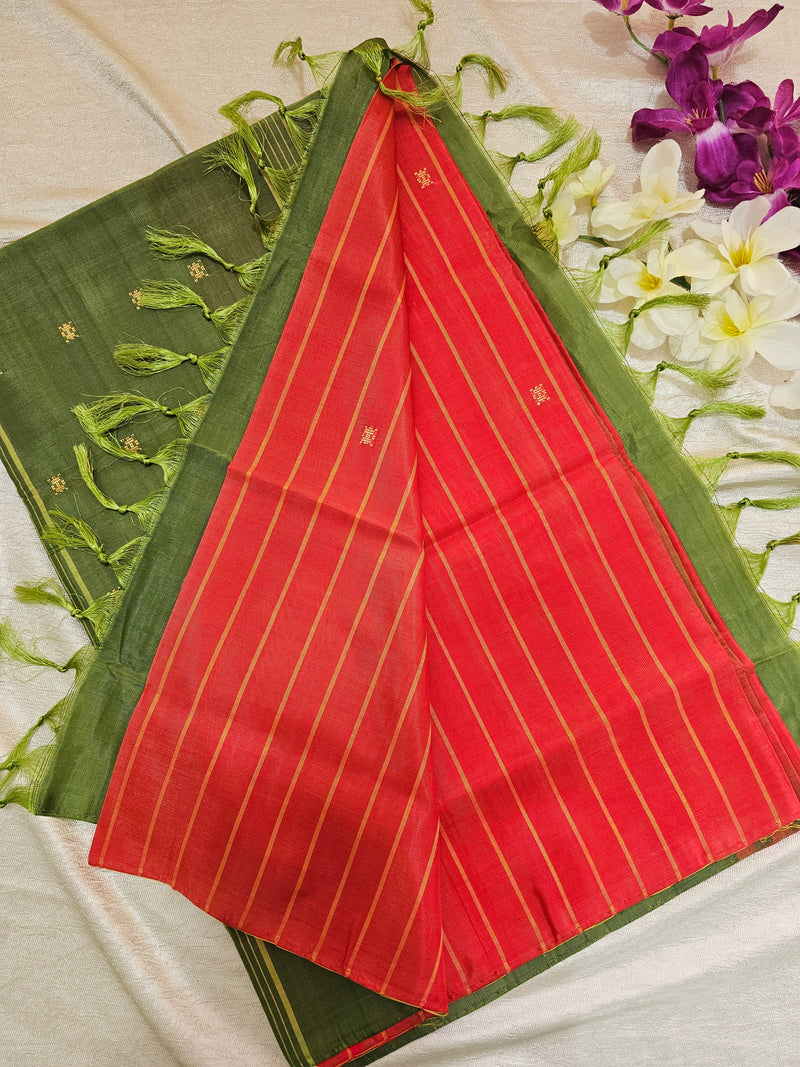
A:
332,1013
90,738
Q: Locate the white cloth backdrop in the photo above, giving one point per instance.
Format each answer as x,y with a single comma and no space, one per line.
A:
103,968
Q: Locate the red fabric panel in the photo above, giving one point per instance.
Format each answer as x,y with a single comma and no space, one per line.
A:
439,691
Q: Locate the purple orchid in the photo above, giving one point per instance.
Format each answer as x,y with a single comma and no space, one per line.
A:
774,179
676,8
697,96
621,7
717,42
785,111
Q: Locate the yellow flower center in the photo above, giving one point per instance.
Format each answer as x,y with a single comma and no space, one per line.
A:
742,254
649,282
763,182
729,327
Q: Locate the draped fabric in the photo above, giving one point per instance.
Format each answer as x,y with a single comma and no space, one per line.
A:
440,691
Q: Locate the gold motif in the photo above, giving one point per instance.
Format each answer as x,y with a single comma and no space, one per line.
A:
57,483
368,435
197,270
136,298
539,394
423,176
131,444
68,331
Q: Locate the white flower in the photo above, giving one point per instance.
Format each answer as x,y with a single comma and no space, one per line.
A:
744,247
567,227
786,396
735,329
659,197
590,183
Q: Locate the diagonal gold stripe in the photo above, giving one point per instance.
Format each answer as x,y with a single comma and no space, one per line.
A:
242,492
576,423
456,965
285,1001
234,614
476,902
488,831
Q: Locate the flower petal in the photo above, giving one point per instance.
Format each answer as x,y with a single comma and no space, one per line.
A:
786,395
779,344
779,233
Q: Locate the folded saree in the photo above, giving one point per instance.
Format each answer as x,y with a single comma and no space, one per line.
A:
437,626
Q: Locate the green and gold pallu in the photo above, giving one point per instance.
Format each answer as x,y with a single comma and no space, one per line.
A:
125,399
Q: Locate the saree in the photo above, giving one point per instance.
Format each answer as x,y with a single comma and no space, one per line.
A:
784,653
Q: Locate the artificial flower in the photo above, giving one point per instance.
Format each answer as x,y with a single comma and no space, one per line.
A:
717,43
697,96
566,225
785,111
755,179
676,8
590,183
738,329
628,276
786,396
745,248
659,197
622,7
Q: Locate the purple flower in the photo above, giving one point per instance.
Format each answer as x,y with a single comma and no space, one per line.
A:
621,7
676,8
746,104
717,42
754,177
785,110
689,85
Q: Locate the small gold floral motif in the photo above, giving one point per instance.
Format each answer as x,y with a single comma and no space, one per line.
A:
136,298
368,435
131,444
423,176
68,331
57,483
197,270
539,394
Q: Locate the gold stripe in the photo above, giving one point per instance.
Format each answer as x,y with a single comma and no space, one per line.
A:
412,916
345,442
487,829
233,616
456,965
509,781
243,490
523,562
667,600
423,765
475,900
286,1002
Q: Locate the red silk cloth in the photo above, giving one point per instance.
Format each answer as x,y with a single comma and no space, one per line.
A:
440,690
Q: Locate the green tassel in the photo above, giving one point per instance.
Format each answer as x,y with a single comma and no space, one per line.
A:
321,66
169,457
169,244
545,117
228,320
47,592
282,183
70,532
578,158
774,503
756,563
146,511
142,360
591,282
112,411
679,426
730,515
373,56
792,459
13,646
26,764
506,164
784,611
713,381
710,469
302,120
692,300
496,79
417,47
231,154
166,294
647,380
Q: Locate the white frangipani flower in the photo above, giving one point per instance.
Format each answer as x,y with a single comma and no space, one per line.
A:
744,248
659,197
562,216
737,329
589,183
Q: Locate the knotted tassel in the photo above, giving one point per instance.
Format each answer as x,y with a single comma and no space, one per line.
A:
623,331
231,154
169,457
373,57
679,426
586,149
591,281
169,244
14,647
146,510
712,381
112,411
70,532
302,120
166,293
417,47
142,360
710,469
21,769
496,79
563,133
48,592
545,117
321,66
714,467
784,611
